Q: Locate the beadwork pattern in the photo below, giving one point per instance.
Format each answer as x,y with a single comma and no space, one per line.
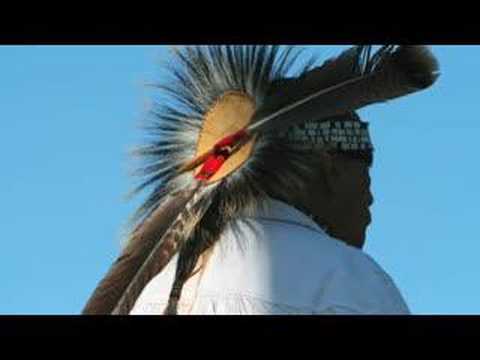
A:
342,135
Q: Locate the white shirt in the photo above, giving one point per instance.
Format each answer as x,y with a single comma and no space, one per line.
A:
279,262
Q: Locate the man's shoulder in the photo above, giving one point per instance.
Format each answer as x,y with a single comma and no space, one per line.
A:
358,284
299,247
343,275
283,257
329,274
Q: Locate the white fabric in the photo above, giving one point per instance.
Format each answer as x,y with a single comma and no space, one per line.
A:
279,262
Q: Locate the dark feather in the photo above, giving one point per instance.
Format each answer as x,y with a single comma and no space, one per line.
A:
387,75
109,291
165,248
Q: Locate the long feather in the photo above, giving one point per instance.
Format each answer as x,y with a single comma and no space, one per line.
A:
161,231
389,75
163,251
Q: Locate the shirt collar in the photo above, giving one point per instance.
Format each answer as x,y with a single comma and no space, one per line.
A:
280,211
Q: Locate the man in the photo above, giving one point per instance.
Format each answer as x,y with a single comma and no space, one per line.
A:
283,261
262,188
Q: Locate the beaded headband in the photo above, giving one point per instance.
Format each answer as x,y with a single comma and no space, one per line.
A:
337,134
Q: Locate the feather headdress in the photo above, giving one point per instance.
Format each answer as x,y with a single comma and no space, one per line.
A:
217,153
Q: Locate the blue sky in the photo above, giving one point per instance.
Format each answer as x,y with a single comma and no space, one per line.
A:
70,114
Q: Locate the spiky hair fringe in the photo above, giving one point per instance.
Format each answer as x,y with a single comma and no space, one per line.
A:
198,77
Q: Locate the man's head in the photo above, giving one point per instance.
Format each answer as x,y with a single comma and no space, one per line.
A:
337,191
338,195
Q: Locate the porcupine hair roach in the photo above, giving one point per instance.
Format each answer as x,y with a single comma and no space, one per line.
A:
198,77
